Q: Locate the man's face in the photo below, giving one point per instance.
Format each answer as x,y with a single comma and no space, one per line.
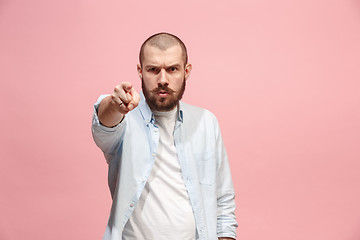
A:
163,76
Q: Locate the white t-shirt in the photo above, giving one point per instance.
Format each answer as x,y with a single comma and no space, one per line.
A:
163,211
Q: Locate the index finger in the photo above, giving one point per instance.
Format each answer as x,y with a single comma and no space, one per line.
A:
127,86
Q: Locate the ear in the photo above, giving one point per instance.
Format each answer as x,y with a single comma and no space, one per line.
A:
188,68
139,70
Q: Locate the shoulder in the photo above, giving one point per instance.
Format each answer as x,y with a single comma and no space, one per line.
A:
198,113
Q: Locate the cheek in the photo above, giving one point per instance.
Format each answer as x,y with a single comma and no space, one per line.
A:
149,82
179,80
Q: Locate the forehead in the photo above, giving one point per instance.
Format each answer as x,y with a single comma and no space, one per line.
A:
155,56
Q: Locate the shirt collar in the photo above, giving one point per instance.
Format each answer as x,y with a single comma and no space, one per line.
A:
148,115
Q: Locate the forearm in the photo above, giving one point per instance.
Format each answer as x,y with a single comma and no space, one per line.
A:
108,113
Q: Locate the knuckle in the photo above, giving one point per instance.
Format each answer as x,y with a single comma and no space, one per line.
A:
113,97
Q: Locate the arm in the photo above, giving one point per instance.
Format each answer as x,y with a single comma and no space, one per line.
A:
226,221
108,113
113,108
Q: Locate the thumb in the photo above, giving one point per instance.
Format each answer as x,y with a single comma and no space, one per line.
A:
135,99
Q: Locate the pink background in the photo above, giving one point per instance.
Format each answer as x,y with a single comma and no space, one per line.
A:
281,76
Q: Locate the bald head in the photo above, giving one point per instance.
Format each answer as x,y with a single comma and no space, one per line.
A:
163,41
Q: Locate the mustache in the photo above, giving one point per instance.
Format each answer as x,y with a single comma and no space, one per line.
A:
162,89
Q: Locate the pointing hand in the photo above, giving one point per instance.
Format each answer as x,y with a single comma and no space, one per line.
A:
125,97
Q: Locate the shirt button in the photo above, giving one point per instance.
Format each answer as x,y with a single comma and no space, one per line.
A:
131,205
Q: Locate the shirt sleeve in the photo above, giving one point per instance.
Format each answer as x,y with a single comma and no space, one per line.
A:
226,220
108,139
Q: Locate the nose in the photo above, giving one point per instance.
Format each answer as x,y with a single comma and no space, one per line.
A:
163,78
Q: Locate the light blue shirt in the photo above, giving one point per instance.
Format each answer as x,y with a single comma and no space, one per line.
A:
130,150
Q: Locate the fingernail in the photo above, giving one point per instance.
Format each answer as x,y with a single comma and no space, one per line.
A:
130,106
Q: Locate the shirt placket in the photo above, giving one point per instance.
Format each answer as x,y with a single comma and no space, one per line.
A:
190,184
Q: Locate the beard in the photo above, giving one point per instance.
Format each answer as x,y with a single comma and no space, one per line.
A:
159,103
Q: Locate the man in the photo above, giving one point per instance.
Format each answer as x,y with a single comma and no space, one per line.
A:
169,175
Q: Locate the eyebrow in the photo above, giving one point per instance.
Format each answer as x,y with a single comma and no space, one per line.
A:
162,66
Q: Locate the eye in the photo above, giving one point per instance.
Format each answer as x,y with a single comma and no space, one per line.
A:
153,70
172,69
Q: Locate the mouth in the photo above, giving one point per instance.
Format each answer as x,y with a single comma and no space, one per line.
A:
161,92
